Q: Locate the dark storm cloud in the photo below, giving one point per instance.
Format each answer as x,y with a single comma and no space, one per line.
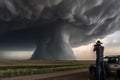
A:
75,22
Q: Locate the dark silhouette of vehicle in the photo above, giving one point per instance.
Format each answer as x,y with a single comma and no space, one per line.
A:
112,66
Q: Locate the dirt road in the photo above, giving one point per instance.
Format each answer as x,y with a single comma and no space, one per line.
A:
78,76
75,76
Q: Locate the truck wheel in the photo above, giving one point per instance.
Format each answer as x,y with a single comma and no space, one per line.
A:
118,74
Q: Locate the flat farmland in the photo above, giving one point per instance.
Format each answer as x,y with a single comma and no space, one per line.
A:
44,62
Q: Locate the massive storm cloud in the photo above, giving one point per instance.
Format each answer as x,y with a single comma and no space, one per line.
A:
57,26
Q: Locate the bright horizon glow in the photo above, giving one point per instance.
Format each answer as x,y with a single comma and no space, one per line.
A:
16,55
110,42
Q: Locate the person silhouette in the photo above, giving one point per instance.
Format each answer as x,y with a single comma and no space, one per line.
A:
99,60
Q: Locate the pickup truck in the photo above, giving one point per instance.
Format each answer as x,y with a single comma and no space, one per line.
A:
112,66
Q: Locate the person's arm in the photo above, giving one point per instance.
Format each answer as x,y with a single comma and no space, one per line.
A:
94,48
103,50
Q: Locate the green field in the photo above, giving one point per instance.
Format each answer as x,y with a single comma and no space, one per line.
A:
22,68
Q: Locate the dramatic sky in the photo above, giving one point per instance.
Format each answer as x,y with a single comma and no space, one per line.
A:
58,29
110,42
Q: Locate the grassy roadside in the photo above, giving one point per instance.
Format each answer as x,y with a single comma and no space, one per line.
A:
39,68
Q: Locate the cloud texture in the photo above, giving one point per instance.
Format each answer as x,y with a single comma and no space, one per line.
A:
72,22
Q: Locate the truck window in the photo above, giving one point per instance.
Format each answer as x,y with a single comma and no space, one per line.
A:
113,60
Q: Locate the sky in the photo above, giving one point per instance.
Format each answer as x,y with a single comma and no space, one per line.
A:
51,29
17,51
110,42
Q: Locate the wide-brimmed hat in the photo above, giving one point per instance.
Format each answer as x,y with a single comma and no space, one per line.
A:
98,42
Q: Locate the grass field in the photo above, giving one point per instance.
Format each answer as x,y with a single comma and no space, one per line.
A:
22,68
